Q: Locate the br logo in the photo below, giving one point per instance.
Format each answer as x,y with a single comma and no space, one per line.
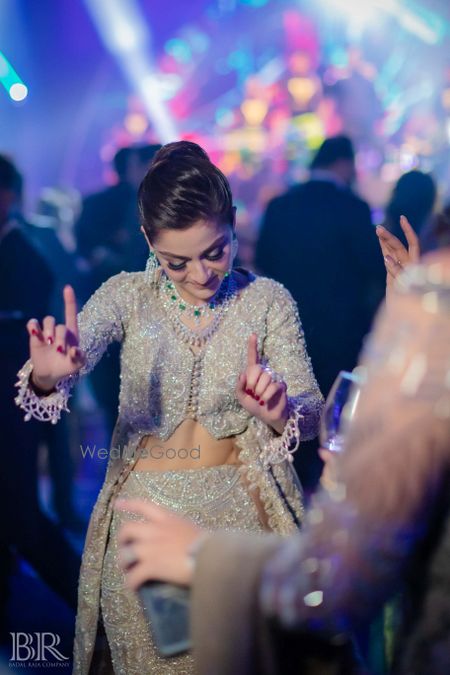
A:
36,647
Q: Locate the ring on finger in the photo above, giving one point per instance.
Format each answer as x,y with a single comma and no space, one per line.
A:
275,377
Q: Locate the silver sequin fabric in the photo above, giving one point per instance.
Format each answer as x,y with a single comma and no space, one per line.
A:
163,382
215,498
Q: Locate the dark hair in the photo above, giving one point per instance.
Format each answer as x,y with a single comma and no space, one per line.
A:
181,187
332,150
413,196
10,178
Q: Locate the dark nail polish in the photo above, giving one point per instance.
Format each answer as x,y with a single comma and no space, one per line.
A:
261,403
60,349
34,332
256,397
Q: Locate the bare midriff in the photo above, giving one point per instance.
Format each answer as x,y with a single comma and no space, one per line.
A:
191,446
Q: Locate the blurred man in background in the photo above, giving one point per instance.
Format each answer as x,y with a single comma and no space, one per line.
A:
329,259
108,237
25,290
107,230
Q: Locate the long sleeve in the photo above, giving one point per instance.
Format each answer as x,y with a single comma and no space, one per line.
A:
285,350
103,319
100,322
358,538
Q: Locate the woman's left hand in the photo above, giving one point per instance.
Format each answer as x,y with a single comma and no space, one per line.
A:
261,391
157,549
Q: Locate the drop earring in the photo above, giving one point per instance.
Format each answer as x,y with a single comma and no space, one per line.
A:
151,269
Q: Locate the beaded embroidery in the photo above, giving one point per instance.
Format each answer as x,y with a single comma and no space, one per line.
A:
43,408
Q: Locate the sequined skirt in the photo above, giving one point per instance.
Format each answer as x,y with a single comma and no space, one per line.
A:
216,498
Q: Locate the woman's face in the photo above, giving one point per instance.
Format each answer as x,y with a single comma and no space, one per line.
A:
196,259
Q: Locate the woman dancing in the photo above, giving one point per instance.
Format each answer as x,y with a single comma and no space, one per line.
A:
216,391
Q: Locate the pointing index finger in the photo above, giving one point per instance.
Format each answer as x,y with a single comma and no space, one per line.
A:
70,310
252,350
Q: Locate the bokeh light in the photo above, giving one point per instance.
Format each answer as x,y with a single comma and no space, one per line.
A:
18,91
135,123
179,49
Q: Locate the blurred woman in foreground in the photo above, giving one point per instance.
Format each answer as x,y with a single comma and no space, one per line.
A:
381,526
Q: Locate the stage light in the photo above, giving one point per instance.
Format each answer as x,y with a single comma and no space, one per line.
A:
311,128
302,89
135,123
125,33
425,23
18,91
364,14
254,111
359,13
255,3
168,85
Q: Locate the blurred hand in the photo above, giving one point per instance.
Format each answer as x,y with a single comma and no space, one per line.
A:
259,394
157,549
396,255
54,349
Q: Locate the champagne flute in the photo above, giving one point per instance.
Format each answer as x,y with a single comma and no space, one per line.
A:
340,408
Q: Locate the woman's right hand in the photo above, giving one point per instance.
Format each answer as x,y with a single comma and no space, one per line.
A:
54,350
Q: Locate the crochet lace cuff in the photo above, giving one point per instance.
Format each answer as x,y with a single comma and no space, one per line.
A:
281,448
43,408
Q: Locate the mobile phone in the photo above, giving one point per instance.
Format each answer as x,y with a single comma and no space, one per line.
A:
167,609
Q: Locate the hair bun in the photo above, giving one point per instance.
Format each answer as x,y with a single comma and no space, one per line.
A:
180,150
